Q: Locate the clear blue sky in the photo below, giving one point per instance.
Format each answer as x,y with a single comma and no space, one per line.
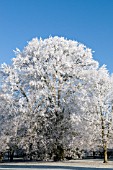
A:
87,21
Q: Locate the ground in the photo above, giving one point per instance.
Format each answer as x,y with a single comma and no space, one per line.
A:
65,165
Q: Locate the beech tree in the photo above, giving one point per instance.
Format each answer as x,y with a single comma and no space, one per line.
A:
57,96
41,79
97,117
3,118
102,105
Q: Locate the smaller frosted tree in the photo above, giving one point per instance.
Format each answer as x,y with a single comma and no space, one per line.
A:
96,121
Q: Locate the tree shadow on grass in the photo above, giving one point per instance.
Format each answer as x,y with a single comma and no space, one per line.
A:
50,167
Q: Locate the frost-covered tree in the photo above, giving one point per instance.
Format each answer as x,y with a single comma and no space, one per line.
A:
96,121
4,109
102,105
44,80
58,98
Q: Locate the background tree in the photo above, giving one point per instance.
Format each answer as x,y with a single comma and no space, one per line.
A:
96,104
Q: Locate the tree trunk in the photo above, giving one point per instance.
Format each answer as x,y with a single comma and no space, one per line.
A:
105,153
59,153
11,155
103,137
30,151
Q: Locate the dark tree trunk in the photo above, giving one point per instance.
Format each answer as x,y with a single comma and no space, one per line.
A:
11,155
59,153
105,153
30,151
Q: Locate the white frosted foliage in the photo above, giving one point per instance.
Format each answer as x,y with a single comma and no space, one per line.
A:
56,96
